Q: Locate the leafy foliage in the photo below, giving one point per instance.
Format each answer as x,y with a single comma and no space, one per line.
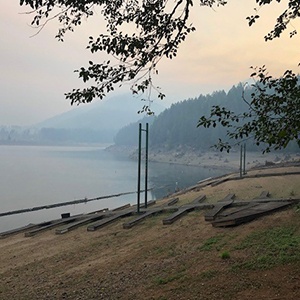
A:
159,29
283,20
139,33
273,117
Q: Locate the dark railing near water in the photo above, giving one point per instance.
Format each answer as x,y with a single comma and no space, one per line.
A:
85,200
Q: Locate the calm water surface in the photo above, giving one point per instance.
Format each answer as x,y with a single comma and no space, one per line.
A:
35,176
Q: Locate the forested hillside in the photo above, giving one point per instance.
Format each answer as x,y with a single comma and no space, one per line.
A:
177,125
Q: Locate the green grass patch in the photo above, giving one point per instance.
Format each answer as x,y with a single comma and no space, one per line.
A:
272,247
225,255
213,243
167,279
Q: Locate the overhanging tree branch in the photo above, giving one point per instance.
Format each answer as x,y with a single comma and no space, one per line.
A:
142,32
273,118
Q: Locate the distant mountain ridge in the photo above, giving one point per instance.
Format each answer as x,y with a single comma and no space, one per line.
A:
97,122
109,114
93,123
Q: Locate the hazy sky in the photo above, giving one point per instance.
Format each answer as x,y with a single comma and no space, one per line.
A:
37,71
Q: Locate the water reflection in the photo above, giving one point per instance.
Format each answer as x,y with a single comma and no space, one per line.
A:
37,176
168,178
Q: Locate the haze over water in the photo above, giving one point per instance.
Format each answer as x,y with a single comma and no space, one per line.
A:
41,175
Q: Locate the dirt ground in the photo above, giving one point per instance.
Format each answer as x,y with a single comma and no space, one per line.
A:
184,260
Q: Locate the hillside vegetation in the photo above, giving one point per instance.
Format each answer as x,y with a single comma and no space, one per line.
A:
177,125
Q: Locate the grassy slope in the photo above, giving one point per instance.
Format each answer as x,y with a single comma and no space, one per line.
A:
186,260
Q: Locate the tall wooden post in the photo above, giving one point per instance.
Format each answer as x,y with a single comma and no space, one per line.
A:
244,162
139,167
241,161
146,165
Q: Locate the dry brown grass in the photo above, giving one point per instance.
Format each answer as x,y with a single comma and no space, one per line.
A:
153,261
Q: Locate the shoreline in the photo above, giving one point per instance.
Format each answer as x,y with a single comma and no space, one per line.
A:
83,264
207,159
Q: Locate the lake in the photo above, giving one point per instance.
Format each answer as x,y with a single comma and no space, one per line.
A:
42,175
